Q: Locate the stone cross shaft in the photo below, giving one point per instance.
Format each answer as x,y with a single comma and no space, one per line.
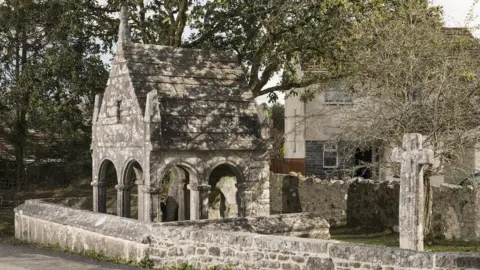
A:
412,158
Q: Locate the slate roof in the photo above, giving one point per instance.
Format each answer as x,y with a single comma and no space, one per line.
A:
203,96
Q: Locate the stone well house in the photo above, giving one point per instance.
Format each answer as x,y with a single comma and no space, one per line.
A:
310,128
183,111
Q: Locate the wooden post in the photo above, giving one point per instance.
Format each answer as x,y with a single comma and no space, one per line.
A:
413,157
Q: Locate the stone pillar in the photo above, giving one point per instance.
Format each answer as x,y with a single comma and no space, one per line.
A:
140,203
412,156
99,197
123,200
194,201
181,202
153,211
245,192
204,192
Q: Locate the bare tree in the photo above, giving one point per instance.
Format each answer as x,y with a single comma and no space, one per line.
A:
408,74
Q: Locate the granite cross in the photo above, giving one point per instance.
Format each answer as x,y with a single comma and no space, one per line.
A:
412,157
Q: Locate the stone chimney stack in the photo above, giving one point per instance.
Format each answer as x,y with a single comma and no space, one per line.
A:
124,29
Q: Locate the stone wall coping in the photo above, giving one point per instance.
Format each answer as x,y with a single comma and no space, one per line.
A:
144,233
317,181
125,228
322,223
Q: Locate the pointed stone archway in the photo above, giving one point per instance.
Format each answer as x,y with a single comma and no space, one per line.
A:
104,188
223,200
128,197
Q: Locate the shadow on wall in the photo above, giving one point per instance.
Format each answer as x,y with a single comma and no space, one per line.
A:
291,195
351,203
373,204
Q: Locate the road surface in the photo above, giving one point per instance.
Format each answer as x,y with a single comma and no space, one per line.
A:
21,257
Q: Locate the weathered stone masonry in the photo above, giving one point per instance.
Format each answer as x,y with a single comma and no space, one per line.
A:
456,214
172,245
167,107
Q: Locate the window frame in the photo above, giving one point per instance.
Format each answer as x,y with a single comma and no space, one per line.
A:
330,150
340,91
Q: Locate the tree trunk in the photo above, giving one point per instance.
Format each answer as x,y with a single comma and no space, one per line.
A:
21,135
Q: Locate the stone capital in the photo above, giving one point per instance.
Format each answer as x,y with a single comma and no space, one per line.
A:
123,187
98,184
196,187
152,190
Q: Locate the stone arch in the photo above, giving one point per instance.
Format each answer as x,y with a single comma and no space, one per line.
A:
223,200
127,189
235,168
179,196
104,188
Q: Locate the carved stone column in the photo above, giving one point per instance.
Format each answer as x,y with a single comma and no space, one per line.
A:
181,202
204,191
99,197
194,201
123,200
245,193
152,206
140,209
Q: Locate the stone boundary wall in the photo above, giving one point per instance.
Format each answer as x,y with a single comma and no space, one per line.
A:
352,203
307,225
456,209
456,212
41,222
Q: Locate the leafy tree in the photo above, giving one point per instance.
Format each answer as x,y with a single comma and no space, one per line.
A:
276,112
50,70
268,35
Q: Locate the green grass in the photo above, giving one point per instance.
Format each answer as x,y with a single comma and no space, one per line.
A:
391,239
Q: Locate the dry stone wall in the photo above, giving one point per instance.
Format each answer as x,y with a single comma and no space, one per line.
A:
456,212
352,203
166,246
375,204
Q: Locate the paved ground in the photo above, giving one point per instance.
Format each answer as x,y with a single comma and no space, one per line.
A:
20,257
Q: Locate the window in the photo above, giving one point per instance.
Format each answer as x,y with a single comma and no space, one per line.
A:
337,95
330,155
119,111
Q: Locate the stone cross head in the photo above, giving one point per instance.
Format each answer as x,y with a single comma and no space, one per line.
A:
412,151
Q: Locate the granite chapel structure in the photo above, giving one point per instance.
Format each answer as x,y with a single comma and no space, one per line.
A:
187,109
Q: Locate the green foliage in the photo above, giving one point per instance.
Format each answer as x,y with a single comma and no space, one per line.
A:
276,112
391,239
49,74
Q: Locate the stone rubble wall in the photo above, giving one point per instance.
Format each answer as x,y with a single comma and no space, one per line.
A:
46,223
375,204
352,203
456,212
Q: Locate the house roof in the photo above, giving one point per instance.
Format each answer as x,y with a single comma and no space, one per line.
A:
203,96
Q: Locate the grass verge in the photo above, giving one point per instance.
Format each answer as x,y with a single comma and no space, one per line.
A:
391,239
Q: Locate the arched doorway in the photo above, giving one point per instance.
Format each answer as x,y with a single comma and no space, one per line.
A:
107,194
223,199
175,196
128,195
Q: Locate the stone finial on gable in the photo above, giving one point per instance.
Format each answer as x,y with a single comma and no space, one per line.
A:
264,120
124,29
152,108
